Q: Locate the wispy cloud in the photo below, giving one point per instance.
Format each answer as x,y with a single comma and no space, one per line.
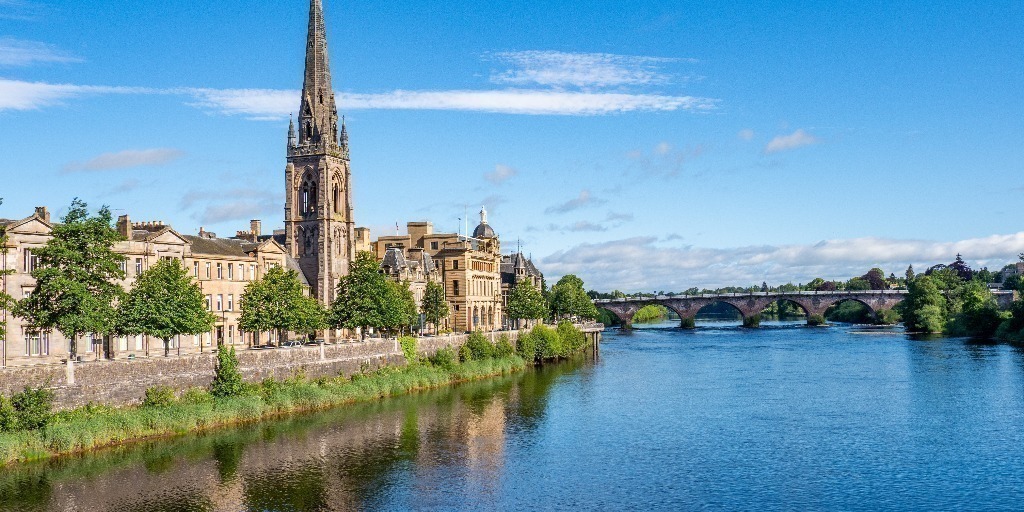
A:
231,205
19,95
127,159
745,134
18,52
581,201
583,70
20,10
619,217
501,174
643,262
665,159
797,139
581,226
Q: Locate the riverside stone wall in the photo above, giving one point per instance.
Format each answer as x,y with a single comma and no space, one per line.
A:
124,381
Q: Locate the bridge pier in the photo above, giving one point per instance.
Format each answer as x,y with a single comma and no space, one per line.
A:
688,322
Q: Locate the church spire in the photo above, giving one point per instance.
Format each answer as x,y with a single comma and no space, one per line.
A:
318,114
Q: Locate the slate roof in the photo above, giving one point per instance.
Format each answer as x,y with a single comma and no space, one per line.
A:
292,264
217,246
484,230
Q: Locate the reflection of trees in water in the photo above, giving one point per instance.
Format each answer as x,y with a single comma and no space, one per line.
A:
348,457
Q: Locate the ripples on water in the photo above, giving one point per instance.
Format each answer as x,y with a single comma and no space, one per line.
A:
782,417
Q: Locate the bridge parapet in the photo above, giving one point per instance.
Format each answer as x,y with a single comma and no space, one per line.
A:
749,304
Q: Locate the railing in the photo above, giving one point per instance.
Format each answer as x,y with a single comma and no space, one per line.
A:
852,293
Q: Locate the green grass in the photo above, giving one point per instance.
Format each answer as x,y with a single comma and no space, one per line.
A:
94,427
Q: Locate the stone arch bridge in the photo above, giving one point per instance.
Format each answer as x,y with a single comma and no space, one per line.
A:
750,304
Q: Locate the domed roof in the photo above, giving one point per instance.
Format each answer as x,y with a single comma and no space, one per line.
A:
484,230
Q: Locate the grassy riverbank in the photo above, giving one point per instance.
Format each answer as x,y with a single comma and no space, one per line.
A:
197,410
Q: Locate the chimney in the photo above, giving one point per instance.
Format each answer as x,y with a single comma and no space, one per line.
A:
255,226
124,226
43,213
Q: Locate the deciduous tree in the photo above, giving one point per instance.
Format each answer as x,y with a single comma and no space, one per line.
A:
6,301
363,296
568,300
525,302
164,302
276,302
75,280
435,307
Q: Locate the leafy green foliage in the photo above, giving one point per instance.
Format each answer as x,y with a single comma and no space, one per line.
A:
444,358
479,346
815,320
277,302
752,321
526,347
164,302
366,298
979,314
159,396
408,344
504,349
525,302
650,313
227,380
435,306
8,416
33,408
923,310
465,354
569,300
75,281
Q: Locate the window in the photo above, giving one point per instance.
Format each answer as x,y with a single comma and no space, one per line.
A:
231,302
207,269
31,261
231,335
231,271
220,271
209,302
252,272
37,343
433,246
241,272
455,264
220,302
138,342
455,287
138,266
123,265
196,268
122,343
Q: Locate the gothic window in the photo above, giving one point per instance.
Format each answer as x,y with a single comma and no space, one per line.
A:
337,199
309,130
308,197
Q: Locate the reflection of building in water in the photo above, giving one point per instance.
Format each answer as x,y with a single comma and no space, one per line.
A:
485,440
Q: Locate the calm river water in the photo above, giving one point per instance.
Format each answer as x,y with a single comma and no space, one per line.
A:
723,418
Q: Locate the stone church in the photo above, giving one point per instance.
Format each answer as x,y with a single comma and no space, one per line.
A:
318,221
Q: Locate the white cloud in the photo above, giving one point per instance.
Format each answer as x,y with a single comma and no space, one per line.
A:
231,205
619,217
642,263
583,200
19,10
746,134
665,161
523,101
559,69
17,52
578,227
19,95
265,104
797,139
127,159
501,174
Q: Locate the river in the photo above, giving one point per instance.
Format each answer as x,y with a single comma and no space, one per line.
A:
721,418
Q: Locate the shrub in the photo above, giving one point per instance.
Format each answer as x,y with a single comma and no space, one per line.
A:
227,380
408,344
33,408
444,359
504,348
688,323
549,344
8,416
479,347
752,321
159,396
465,354
573,339
887,317
196,396
526,347
815,320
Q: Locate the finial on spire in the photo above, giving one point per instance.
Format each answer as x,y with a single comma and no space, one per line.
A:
344,133
292,140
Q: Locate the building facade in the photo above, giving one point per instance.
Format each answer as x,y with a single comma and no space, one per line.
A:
318,212
222,267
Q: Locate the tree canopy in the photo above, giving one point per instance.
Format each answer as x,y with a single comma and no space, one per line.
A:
435,306
525,302
164,302
367,298
6,301
569,300
75,280
276,302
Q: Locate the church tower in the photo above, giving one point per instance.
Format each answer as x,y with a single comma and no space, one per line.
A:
319,229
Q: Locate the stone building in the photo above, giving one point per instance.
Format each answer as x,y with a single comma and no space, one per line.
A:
221,266
468,267
318,213
516,268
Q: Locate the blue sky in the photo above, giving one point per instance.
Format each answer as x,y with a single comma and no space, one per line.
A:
643,145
